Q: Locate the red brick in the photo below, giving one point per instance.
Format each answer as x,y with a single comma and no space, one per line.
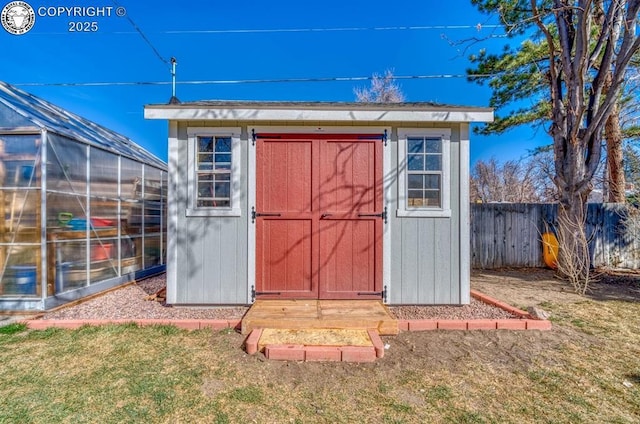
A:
214,324
285,352
535,324
358,354
236,324
423,325
251,343
68,324
452,324
323,353
481,324
38,324
186,324
512,324
403,324
378,345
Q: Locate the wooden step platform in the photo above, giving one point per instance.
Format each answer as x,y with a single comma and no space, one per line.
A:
310,314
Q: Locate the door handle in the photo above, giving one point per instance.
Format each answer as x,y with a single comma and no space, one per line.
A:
325,215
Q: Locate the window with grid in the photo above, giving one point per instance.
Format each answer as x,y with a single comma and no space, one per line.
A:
424,172
214,184
213,172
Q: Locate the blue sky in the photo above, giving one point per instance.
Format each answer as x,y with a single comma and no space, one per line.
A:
204,38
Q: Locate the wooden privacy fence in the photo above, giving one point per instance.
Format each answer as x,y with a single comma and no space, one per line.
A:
509,235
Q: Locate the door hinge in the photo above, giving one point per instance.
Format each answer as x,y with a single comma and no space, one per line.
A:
253,137
382,294
382,215
384,138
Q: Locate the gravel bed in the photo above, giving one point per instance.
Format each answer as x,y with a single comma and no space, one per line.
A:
130,303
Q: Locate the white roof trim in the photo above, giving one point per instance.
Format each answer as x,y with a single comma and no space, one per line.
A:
318,115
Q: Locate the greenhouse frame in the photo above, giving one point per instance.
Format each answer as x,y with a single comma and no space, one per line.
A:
84,207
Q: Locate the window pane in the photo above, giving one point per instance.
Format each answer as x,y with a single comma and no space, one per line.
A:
415,181
223,144
205,144
205,203
432,198
433,163
222,189
416,145
433,145
205,162
221,203
432,182
223,161
415,162
205,189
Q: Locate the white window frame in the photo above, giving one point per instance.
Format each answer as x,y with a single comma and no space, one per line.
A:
234,209
445,200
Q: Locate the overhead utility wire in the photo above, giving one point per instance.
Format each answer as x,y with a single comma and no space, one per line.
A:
144,37
252,81
387,28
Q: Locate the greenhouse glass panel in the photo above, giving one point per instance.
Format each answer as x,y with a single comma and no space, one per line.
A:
70,264
104,259
19,161
131,218
104,174
152,183
21,213
152,217
66,166
152,251
19,275
131,252
66,213
131,179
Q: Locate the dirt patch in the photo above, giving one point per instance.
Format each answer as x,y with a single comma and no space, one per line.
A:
525,287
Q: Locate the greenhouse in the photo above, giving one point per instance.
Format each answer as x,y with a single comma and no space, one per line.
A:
84,207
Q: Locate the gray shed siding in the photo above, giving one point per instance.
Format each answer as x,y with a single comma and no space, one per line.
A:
208,256
427,262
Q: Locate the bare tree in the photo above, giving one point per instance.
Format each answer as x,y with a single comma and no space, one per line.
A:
383,89
512,181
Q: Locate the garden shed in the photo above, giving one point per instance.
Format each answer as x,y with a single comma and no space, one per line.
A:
84,207
318,200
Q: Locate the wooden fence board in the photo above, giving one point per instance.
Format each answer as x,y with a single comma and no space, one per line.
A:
509,235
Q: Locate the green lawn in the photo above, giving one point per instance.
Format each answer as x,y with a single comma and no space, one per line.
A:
587,369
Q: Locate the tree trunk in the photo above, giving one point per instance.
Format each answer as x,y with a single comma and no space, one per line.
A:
573,189
613,136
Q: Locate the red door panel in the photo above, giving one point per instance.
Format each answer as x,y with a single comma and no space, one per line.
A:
349,262
316,233
285,258
285,242
350,244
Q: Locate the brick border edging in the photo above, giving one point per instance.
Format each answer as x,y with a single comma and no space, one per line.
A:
185,324
523,322
311,353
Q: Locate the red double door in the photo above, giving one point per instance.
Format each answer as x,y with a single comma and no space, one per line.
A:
318,216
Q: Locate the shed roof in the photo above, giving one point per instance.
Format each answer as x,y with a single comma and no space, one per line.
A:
318,111
20,111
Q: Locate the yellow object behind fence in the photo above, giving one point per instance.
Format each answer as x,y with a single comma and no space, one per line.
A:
550,249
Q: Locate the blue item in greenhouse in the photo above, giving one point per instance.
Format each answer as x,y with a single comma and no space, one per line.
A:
78,224
25,278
